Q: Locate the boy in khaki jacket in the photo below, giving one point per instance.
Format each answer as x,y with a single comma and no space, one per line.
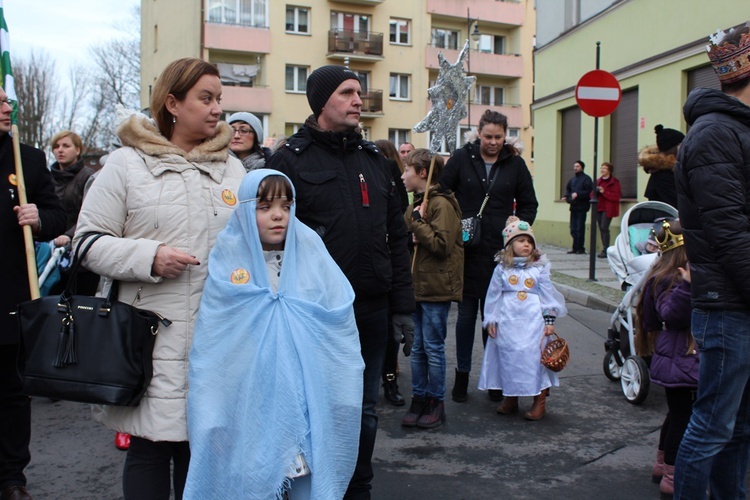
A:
438,279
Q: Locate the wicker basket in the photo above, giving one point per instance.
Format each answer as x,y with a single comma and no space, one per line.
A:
556,354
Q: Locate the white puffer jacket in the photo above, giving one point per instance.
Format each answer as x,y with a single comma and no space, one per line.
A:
150,193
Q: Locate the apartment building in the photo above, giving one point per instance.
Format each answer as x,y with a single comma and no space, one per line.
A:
656,50
265,50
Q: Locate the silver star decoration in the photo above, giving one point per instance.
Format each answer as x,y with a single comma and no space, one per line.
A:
448,98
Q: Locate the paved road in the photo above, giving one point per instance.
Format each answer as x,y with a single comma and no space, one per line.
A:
592,444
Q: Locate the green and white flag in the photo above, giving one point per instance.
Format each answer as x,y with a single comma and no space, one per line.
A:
5,68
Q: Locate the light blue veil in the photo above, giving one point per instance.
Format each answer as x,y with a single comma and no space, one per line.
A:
272,375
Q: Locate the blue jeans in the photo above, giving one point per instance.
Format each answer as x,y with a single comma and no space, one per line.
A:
428,350
716,446
578,230
466,325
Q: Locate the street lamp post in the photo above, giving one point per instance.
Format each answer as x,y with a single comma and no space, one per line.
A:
475,36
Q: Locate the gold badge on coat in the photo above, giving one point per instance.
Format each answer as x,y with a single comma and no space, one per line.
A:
12,180
513,279
228,197
522,295
529,282
240,276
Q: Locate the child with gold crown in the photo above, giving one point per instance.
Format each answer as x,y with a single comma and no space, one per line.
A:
520,311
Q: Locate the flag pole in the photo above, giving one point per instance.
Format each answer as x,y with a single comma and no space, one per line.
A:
28,238
424,204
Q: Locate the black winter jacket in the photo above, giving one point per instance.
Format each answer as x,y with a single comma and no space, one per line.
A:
466,175
70,185
346,194
40,191
713,195
583,185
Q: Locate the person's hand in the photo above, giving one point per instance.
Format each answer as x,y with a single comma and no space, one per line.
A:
574,196
549,329
492,330
403,325
28,215
62,240
170,262
421,209
685,272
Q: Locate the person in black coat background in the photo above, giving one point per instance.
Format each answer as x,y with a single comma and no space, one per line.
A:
658,161
46,216
468,173
578,194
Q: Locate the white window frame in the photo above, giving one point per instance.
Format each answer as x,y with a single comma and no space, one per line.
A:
296,11
514,132
493,92
492,44
398,81
446,35
230,12
399,136
297,88
399,23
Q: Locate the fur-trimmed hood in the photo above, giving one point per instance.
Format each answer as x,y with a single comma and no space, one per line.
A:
652,160
141,132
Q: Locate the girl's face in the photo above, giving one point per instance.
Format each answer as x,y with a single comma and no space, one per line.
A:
491,139
273,221
66,153
522,246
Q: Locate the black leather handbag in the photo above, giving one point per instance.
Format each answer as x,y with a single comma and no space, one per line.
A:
86,349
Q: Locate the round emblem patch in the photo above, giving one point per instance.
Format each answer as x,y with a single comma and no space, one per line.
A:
529,282
12,180
228,197
240,276
522,295
513,279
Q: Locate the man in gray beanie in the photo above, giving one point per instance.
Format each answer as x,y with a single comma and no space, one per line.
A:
345,194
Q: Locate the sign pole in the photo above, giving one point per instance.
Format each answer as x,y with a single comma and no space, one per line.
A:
594,197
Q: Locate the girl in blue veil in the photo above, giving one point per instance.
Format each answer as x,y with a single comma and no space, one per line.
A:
275,397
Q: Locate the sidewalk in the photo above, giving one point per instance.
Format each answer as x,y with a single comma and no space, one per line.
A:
573,280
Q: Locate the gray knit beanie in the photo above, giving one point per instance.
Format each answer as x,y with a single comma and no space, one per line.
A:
250,119
323,82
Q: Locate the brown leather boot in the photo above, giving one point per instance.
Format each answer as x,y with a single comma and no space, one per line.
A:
658,469
666,486
509,406
537,409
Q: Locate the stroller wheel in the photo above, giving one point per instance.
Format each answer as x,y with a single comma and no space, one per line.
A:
611,367
635,380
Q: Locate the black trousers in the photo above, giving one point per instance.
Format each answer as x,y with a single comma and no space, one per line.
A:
680,407
15,421
147,469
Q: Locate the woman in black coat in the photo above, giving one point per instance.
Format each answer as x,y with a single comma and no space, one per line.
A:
486,164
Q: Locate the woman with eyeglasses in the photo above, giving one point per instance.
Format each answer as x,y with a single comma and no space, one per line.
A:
161,200
247,140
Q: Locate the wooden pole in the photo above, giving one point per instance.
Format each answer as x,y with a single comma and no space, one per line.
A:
424,205
28,238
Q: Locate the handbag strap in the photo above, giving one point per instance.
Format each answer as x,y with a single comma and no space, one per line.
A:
487,196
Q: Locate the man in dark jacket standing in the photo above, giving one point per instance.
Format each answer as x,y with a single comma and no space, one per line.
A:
46,216
345,194
713,196
578,194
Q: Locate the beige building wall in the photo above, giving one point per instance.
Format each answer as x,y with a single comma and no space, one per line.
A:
179,28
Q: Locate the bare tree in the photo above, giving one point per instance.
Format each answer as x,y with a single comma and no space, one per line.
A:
36,90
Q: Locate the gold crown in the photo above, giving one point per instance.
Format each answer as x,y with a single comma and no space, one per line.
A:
730,62
670,241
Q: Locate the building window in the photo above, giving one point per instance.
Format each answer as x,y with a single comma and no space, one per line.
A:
297,20
623,143
570,144
489,96
400,32
444,39
366,132
398,136
492,44
399,87
291,128
242,75
513,132
296,78
352,23
242,12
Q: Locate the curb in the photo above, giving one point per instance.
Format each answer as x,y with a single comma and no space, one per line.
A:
585,299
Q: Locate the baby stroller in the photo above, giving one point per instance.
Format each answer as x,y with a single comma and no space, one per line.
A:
630,259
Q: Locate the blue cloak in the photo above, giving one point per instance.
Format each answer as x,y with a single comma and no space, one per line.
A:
272,374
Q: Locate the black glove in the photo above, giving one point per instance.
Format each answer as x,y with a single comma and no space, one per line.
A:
403,325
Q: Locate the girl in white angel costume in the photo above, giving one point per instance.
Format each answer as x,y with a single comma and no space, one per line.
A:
520,311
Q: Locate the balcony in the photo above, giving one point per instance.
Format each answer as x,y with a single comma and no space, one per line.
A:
234,38
356,46
361,2
372,104
514,112
502,12
497,65
253,99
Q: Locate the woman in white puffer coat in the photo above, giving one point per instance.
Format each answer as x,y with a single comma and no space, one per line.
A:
162,199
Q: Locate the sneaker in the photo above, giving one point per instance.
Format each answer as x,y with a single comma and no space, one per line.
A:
434,414
417,408
602,255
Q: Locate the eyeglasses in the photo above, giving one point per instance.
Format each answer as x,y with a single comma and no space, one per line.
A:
242,131
6,101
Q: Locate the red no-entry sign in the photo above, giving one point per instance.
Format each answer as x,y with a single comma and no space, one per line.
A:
598,93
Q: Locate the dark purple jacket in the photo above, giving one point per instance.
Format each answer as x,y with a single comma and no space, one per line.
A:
671,365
